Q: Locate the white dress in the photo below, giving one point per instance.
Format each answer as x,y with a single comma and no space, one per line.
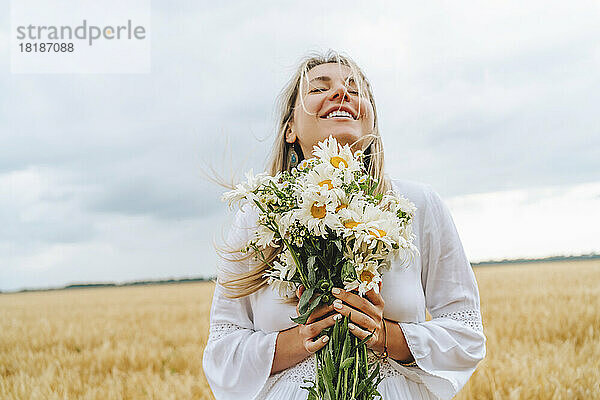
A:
239,354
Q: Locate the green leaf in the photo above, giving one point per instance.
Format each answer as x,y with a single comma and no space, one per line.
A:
347,363
348,272
336,333
312,393
329,253
305,298
361,386
362,341
345,347
310,263
302,318
374,372
329,378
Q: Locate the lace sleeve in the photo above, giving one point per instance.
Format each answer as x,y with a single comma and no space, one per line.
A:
219,330
471,318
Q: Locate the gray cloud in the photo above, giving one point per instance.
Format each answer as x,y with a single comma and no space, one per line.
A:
145,196
470,100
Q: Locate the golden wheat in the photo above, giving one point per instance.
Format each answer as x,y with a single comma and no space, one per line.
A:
542,322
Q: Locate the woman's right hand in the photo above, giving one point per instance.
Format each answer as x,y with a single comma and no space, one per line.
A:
322,317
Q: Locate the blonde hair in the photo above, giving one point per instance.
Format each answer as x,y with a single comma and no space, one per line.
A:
244,284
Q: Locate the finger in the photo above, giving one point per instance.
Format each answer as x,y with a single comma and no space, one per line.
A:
300,290
361,333
314,346
313,330
319,312
375,296
355,316
364,306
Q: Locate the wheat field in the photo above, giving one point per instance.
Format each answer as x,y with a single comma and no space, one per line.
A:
542,322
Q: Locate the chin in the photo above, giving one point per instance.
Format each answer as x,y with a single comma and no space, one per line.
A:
345,137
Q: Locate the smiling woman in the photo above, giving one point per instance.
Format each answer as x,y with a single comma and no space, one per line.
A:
255,350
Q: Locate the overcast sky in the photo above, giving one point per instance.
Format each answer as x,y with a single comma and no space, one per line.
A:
495,104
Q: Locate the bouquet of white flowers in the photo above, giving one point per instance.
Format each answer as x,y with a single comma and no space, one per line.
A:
334,231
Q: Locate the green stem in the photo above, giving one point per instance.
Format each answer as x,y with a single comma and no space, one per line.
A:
297,262
364,348
345,392
356,363
323,261
339,375
294,255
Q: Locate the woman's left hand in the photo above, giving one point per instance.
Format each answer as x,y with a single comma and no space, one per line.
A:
366,315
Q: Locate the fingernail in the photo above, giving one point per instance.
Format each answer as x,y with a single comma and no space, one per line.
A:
325,339
351,326
337,317
336,291
337,304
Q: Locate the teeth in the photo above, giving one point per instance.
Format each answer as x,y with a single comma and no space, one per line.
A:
338,113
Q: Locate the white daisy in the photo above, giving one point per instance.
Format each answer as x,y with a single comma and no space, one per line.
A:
279,276
303,165
405,256
286,258
264,237
368,278
283,288
395,203
343,199
323,175
284,221
386,229
317,212
243,190
339,157
406,206
351,214
358,216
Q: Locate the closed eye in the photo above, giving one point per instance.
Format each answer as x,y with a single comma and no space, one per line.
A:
317,90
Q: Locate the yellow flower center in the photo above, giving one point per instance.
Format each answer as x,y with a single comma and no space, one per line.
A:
378,232
335,161
366,276
318,211
350,224
326,182
338,208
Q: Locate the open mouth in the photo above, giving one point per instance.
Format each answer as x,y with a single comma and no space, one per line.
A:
339,114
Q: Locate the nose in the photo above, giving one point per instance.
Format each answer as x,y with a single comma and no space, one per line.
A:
339,91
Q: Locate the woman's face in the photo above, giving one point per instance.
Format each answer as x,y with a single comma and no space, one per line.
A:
330,88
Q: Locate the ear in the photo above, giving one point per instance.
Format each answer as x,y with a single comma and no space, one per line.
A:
290,135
